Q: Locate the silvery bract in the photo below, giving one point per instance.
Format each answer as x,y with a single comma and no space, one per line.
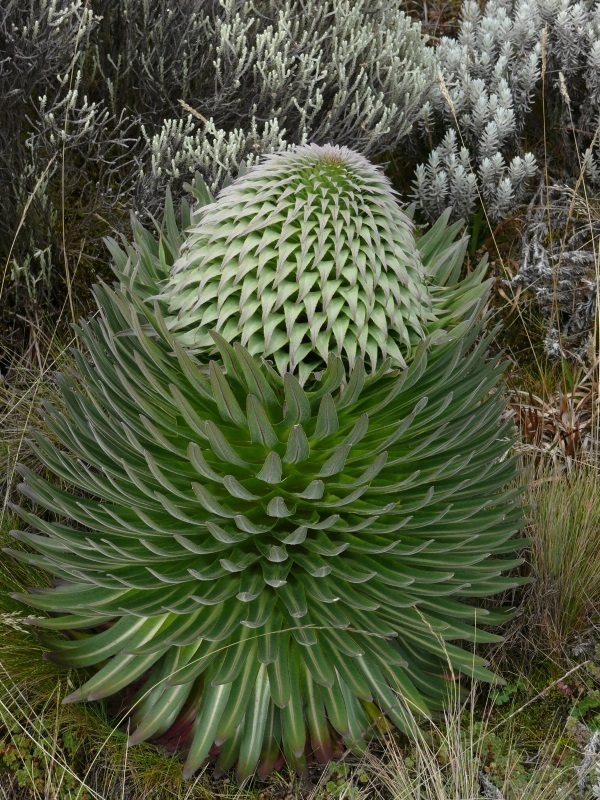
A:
305,255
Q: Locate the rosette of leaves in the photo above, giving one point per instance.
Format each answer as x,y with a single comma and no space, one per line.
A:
268,567
305,254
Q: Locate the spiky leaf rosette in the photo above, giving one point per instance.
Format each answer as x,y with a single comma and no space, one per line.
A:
178,260
266,564
306,254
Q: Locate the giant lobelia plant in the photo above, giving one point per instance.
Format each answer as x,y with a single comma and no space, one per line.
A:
268,543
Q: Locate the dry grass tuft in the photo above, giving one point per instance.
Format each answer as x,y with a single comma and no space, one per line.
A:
564,556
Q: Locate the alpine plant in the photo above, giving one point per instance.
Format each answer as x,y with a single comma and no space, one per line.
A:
265,567
307,254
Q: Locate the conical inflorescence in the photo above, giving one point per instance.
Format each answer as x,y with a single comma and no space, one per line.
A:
307,254
274,558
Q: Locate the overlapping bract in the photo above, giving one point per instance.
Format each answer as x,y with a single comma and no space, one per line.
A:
306,254
148,263
268,561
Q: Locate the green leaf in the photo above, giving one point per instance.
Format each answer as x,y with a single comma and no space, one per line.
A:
271,743
331,379
327,419
316,719
356,382
100,646
116,674
191,372
261,609
318,665
298,448
297,406
271,470
228,406
255,380
235,658
335,463
229,752
278,508
294,599
228,355
292,718
196,423
235,489
314,491
172,631
207,652
261,430
358,723
162,714
208,502
254,726
221,447
336,708
395,703
269,639
246,525
278,672
214,702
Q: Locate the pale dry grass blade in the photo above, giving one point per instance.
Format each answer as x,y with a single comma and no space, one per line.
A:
41,728
565,552
30,199
447,762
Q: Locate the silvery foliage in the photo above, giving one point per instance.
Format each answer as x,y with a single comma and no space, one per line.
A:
573,52
490,792
153,52
592,165
591,160
51,134
448,179
487,81
350,72
77,133
100,83
589,769
38,41
559,254
489,77
31,267
182,147
557,267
